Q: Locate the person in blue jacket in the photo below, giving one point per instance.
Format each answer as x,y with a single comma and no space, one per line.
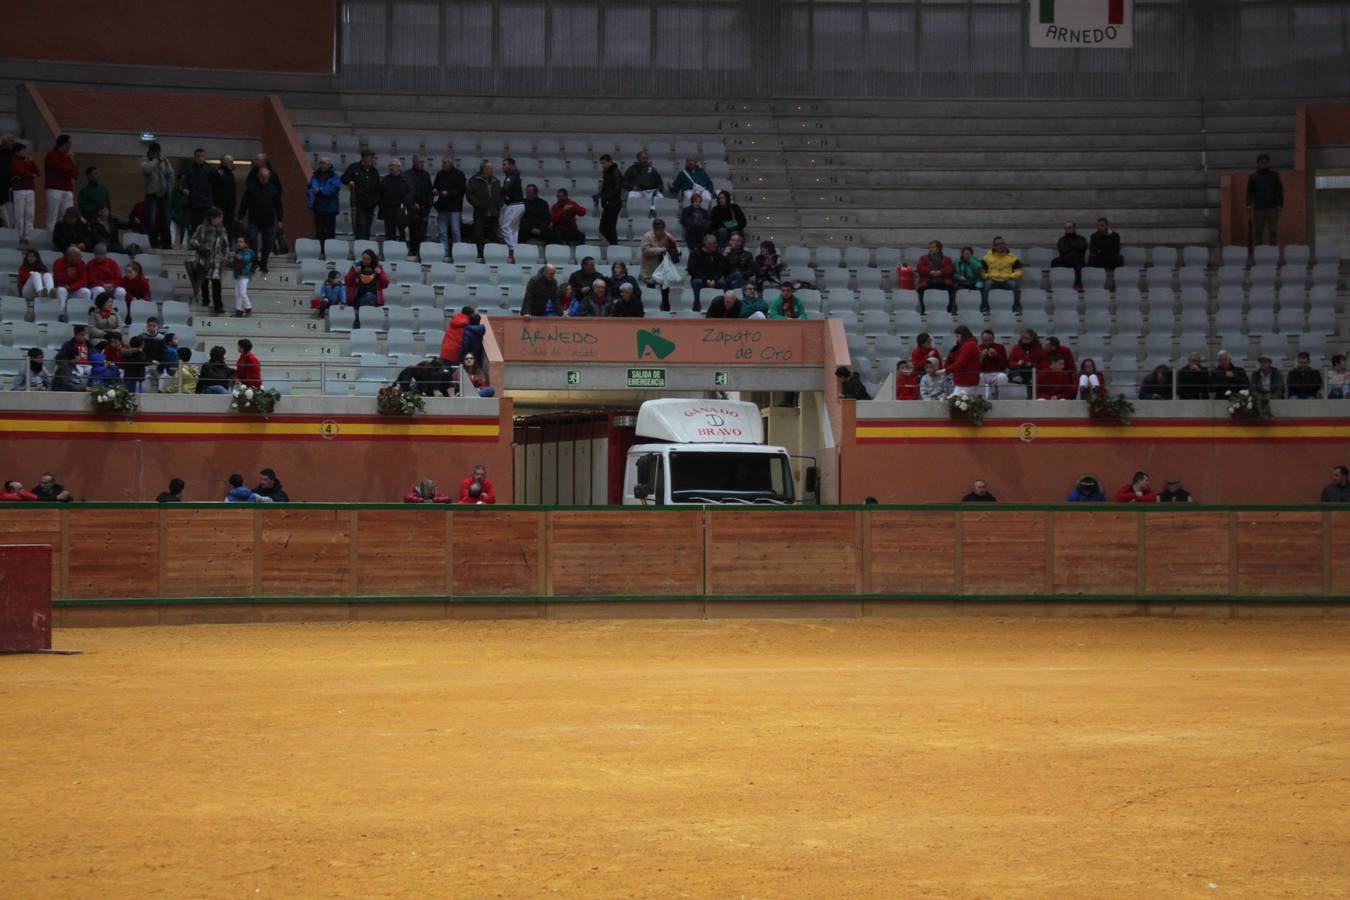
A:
1088,490
324,187
473,337
240,493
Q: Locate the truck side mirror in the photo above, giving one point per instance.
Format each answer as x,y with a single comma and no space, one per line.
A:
812,479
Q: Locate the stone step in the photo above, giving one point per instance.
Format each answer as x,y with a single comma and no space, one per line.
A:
1091,180
950,197
955,236
874,217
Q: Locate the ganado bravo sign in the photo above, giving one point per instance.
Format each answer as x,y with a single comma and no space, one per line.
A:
1082,23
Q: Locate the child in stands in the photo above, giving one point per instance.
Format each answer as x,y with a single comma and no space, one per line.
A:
243,270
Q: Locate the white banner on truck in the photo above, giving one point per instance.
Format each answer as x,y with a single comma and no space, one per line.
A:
1107,24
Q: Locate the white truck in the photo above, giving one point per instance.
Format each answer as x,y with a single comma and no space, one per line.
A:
707,452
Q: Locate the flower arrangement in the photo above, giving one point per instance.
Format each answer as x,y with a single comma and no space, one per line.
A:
970,407
116,399
254,400
394,401
1105,406
1247,404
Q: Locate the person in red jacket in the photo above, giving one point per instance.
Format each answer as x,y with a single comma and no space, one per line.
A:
14,492
425,492
366,281
923,350
564,217
477,488
906,382
1052,346
1137,491
104,274
936,272
135,286
23,173
61,174
248,370
453,342
34,279
71,275
963,363
1056,382
993,363
1028,357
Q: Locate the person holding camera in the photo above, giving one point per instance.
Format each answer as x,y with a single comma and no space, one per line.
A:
366,281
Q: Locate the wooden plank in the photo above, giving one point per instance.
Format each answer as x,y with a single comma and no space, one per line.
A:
26,524
1186,553
1338,548
113,552
913,552
305,552
1003,552
613,552
208,552
1279,552
782,553
401,551
1095,553
498,553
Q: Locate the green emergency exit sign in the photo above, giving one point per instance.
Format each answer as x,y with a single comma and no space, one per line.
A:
720,379
573,377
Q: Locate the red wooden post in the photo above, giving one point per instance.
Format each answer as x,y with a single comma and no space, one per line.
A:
25,598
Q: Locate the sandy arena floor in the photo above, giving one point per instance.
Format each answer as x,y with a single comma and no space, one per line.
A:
955,758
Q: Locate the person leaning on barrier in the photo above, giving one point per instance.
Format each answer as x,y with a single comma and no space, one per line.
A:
979,493
850,384
1137,491
1339,489
1087,490
1175,493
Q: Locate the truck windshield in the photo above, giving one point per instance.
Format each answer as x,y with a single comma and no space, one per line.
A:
730,478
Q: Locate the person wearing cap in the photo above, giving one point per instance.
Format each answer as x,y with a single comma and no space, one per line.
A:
1268,380
1087,490
1137,491
363,180
1175,493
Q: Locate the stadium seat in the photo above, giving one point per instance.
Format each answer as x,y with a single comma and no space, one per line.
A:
431,251
1162,257
361,246
13,309
307,248
1195,256
313,271
340,318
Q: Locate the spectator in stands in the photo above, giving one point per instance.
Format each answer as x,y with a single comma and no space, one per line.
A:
727,218
583,279
180,217
447,193
993,363
599,294
34,279
419,205
71,276
610,199
575,307
923,351
643,182
963,363
768,265
23,173
425,492
618,276
1087,490
1338,379
536,220
1003,272
727,306
325,185
248,369
850,384
158,179
477,488
366,281
627,305
1305,382
103,229
61,174
211,243
49,490
657,244
261,161
71,231
696,221
14,493
1193,379
395,194
428,377
540,291
135,286
1071,250
752,303
1265,199
1175,493
485,196
452,343
1267,379
979,493
691,182
513,207
935,384
707,269
200,190
1104,247
103,317
740,264
787,305
33,375
1339,489
225,193
216,376
1137,491
906,382
182,379
1091,383
563,219
6,200
1157,385
1055,382
1028,357
1226,377
242,264
269,486
134,362
103,274
240,494
175,492
473,379
331,293
93,194
363,180
1052,345
937,273
261,207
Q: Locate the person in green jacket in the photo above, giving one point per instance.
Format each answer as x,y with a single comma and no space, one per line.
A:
178,211
93,195
969,271
787,305
752,303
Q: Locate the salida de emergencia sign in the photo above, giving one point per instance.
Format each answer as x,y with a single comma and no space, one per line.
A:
1106,24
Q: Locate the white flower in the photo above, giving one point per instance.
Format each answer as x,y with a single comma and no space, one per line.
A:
248,394
234,406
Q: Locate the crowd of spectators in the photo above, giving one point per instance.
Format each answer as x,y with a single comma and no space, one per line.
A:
1139,489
